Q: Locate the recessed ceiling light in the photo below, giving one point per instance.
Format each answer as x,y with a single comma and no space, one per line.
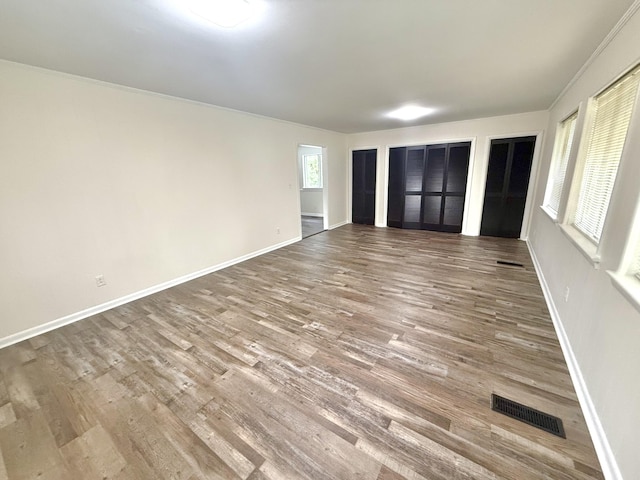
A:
410,112
225,13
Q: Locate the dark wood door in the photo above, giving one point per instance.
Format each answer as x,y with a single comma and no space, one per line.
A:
395,201
413,180
363,205
445,186
427,186
507,185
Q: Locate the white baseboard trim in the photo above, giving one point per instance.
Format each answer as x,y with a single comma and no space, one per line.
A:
603,449
312,214
337,225
74,317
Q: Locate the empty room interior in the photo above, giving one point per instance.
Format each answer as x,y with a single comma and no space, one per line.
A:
282,239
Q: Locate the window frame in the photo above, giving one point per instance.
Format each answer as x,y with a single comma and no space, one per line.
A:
635,264
627,278
565,145
305,168
587,244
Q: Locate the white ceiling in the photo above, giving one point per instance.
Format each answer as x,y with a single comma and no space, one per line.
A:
334,64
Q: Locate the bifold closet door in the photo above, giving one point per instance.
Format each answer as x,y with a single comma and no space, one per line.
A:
414,176
445,186
395,201
427,186
363,204
507,184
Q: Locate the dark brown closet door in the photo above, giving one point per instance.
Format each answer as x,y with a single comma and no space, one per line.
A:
432,200
414,174
395,201
363,205
427,186
507,184
445,184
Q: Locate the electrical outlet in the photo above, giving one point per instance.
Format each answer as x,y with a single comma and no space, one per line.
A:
100,281
566,294
278,230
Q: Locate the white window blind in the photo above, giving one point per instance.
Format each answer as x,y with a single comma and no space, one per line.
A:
612,110
566,131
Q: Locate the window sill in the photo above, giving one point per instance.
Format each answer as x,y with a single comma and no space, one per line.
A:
311,189
582,243
550,213
628,286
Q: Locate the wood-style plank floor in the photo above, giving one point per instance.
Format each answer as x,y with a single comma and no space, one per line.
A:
358,353
311,225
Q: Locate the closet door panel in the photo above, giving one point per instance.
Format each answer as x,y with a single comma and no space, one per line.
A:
412,204
453,211
458,168
370,208
395,205
513,211
497,168
414,170
492,214
521,169
431,209
435,170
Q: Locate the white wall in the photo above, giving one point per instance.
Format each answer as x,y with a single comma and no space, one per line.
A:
602,329
99,179
311,200
311,203
479,131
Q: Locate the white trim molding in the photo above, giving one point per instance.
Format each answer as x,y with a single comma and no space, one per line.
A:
604,44
338,225
628,286
74,317
598,436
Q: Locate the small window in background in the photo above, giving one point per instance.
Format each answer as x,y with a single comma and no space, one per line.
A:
612,111
312,171
562,150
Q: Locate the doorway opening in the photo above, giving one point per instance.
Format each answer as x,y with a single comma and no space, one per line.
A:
312,189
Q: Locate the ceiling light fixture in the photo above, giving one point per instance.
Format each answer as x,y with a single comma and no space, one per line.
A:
224,13
411,112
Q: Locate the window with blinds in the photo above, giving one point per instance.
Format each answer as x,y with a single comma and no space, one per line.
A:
612,114
561,154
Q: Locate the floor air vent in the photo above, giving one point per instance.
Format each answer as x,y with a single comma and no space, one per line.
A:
529,415
513,264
